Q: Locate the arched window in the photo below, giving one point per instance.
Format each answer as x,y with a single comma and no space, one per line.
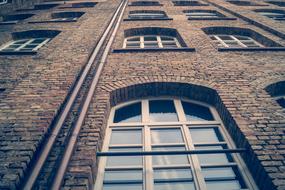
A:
245,3
28,41
13,19
147,14
152,38
158,144
188,3
238,38
145,3
66,16
205,15
278,3
273,14
277,92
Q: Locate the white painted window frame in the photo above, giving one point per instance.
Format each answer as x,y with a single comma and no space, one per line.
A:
29,42
273,15
158,41
240,42
184,125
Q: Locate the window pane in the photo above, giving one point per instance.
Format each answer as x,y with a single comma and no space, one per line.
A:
134,39
205,135
225,37
124,160
166,136
196,112
220,158
38,41
223,185
281,102
225,172
122,187
130,113
126,137
163,174
150,38
123,175
169,159
162,110
174,186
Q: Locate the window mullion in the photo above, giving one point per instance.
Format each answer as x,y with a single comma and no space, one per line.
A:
142,41
24,44
159,41
221,41
195,165
148,171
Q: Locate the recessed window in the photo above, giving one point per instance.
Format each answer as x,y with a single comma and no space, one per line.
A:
278,3
151,41
188,3
31,44
147,15
66,16
204,15
145,3
45,6
245,3
278,15
27,42
168,126
13,19
277,92
234,41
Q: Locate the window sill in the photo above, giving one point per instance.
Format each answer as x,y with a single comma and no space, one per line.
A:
51,21
192,5
253,49
223,18
18,52
146,19
183,49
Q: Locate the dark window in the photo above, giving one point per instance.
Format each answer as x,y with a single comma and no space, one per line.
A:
145,3
278,15
188,3
13,19
278,3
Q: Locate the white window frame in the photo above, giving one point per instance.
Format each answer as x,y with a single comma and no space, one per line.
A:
158,41
2,2
240,42
21,47
145,125
146,15
202,14
65,19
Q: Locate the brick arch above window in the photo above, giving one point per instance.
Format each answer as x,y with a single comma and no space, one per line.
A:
234,38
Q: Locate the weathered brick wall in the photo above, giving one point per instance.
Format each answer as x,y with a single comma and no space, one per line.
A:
36,85
253,119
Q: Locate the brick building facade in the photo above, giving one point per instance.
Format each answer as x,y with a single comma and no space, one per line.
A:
241,78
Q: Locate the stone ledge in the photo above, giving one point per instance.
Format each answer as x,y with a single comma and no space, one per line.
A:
253,49
18,52
184,49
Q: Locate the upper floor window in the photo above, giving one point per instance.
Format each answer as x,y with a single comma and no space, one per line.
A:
234,41
233,38
168,130
203,14
13,19
147,14
273,14
278,3
2,2
188,3
30,44
45,6
245,3
151,41
145,3
28,41
277,91
66,16
79,5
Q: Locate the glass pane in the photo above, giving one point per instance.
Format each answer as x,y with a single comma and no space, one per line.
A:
130,113
223,185
233,44
242,37
162,110
38,41
166,136
122,187
169,159
123,175
126,137
225,37
132,45
124,160
196,112
165,38
134,39
205,135
225,172
281,102
150,38
220,158
163,174
174,186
